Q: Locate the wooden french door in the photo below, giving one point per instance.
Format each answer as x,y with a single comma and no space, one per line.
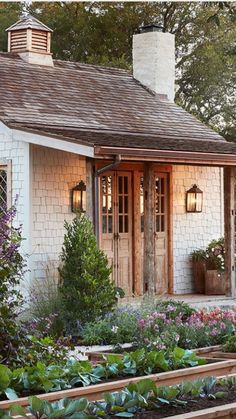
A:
160,230
116,226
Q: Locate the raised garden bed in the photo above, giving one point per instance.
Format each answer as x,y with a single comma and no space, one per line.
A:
217,368
215,352
225,411
207,352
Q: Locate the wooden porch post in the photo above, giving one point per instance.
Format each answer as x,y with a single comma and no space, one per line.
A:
229,224
89,189
149,228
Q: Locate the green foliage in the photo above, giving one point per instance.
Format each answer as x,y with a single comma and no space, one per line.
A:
43,349
12,269
213,255
72,373
86,289
142,396
44,309
230,344
174,308
116,328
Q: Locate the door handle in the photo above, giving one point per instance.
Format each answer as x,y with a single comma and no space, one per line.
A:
116,236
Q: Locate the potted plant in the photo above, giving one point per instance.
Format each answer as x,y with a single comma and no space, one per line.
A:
215,265
198,258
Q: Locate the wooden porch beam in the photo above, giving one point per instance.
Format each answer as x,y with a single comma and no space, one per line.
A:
229,226
149,229
167,156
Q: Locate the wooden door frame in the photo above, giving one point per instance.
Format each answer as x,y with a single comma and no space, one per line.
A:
137,168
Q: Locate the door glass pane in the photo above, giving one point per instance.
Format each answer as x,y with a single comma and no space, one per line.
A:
126,204
120,184
120,223
125,184
141,204
162,223
160,204
120,204
104,224
107,204
123,204
126,224
110,224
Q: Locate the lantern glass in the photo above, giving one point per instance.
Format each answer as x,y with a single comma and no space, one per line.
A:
78,199
194,199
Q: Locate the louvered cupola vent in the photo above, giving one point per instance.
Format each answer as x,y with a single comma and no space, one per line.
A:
32,40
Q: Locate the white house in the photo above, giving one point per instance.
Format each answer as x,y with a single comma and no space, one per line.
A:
136,152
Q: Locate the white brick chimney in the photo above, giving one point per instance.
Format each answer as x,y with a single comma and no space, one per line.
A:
154,60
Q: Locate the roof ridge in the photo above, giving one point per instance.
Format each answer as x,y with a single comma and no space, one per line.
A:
92,66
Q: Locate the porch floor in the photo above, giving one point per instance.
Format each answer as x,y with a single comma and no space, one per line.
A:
194,300
203,301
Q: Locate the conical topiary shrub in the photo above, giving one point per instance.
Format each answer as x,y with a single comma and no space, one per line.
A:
86,289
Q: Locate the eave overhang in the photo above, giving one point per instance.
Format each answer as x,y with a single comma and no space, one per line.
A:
166,156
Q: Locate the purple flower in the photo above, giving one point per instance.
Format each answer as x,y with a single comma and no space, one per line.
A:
214,332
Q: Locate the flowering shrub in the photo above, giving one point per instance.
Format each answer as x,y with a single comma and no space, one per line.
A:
12,267
115,328
215,255
201,328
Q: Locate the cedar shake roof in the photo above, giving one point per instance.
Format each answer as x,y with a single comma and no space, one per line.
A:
97,106
28,22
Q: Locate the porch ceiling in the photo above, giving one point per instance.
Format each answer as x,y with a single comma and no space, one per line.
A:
143,147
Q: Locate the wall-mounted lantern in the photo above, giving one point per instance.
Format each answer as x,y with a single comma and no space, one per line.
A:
78,197
194,199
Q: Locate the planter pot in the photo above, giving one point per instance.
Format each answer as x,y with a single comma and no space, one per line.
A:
199,269
216,368
214,283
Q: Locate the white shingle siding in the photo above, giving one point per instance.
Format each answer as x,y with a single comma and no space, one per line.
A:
43,178
194,230
54,174
16,155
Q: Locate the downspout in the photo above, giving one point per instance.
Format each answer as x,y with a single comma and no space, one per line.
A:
97,173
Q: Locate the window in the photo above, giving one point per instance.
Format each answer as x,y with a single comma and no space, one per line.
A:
3,188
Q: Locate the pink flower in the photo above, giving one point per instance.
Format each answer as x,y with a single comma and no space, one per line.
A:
222,326
141,323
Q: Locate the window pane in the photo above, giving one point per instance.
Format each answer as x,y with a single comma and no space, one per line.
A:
126,224
3,190
120,185
162,223
162,186
141,204
109,185
162,204
104,224
126,204
120,204
104,204
120,223
125,184
109,204
110,224
158,223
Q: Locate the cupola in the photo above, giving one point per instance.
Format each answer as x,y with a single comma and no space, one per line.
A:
31,39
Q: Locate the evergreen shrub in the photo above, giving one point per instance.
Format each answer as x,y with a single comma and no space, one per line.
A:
86,289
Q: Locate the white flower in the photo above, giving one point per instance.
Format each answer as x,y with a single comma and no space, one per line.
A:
114,329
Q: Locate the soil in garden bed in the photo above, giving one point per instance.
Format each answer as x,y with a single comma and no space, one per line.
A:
192,406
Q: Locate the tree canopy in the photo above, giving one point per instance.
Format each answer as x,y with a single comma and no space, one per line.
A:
101,33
